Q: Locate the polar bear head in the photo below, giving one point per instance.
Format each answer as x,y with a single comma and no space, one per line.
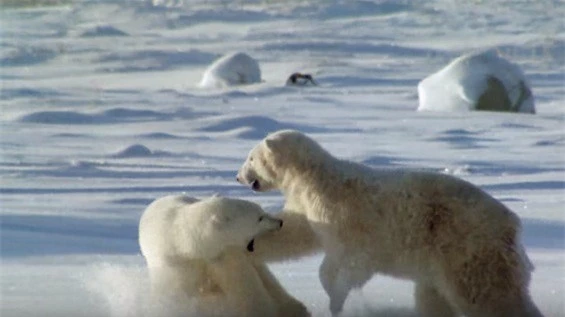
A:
179,228
217,223
280,156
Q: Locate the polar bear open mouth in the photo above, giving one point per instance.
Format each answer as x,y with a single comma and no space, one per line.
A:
251,245
255,185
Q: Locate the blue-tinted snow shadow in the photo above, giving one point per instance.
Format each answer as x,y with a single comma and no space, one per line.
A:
532,185
476,167
340,9
116,166
92,172
101,30
110,116
199,190
384,161
15,93
543,234
132,201
329,10
33,235
383,312
159,136
351,48
226,15
154,60
257,127
462,139
26,56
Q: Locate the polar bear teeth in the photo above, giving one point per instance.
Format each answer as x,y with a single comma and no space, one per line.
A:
255,185
251,245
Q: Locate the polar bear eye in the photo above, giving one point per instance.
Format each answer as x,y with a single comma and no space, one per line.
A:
251,159
261,218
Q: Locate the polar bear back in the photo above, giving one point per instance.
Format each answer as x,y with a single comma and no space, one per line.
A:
333,182
156,236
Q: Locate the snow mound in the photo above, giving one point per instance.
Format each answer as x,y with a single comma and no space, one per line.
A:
101,30
477,81
255,127
137,150
158,135
231,70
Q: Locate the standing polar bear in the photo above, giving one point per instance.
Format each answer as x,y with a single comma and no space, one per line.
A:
196,253
458,244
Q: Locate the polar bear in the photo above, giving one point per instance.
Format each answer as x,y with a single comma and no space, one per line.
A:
196,252
231,70
477,81
458,244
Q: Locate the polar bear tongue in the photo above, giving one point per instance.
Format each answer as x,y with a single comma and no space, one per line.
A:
251,245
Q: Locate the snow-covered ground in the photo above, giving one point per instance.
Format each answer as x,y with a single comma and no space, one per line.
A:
101,113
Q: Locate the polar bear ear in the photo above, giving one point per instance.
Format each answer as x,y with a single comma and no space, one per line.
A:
272,141
271,144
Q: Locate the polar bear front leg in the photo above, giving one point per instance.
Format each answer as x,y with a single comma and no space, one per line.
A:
241,285
287,305
332,279
294,240
339,277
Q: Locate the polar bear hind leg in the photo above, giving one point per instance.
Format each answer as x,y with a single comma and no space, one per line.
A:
492,284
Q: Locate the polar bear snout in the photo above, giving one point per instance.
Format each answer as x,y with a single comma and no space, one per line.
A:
240,178
272,223
251,181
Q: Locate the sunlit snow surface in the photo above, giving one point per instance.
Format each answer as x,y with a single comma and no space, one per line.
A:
101,114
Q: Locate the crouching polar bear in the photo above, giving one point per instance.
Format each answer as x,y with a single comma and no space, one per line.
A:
196,253
458,244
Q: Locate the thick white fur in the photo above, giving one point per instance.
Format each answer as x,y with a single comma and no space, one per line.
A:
458,244
231,70
196,253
